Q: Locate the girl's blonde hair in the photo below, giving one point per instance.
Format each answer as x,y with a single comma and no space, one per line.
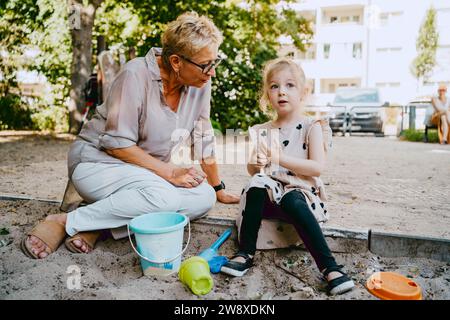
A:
187,35
272,67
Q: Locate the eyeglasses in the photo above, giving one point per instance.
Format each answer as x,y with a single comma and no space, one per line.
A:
205,67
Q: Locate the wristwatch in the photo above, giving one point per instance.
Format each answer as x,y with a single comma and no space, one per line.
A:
220,186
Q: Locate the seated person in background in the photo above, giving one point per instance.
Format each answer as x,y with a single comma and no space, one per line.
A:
441,116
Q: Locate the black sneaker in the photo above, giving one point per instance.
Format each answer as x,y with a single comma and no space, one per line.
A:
238,269
340,284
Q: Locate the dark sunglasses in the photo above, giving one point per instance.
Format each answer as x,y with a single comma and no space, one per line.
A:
205,67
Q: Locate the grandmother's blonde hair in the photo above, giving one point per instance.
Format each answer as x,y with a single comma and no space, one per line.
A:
272,67
187,35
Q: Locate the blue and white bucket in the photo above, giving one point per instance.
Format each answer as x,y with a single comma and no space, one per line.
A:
159,241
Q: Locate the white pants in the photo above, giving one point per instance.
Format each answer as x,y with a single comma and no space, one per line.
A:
120,192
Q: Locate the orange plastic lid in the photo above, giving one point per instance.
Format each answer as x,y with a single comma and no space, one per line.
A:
393,286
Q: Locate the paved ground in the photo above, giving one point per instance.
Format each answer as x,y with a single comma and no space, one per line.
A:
372,183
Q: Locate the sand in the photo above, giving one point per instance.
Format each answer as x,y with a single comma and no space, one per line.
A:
112,270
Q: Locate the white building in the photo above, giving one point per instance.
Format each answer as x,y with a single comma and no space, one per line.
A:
370,43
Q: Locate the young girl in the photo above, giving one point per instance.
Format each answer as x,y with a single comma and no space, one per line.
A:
286,162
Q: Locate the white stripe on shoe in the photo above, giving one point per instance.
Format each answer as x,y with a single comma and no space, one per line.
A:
233,272
342,288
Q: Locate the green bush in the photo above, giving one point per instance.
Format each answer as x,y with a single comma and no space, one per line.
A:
433,136
51,118
418,135
15,114
18,113
251,35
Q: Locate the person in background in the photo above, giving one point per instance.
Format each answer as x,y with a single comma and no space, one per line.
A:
441,115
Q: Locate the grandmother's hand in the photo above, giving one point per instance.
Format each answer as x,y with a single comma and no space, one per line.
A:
186,177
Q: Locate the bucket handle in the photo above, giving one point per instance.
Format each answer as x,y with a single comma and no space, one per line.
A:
163,261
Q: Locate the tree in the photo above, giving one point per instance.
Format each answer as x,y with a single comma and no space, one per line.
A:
115,22
426,45
81,23
16,23
251,30
251,38
17,19
63,31
44,27
34,37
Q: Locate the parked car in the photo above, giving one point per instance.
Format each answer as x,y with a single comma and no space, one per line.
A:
358,110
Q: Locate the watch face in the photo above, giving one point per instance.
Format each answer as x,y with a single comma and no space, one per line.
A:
220,186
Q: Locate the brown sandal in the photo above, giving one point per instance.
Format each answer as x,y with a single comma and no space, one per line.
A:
51,233
89,238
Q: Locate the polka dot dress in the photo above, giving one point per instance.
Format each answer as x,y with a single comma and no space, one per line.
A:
278,181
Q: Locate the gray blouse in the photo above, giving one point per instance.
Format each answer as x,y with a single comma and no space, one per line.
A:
135,113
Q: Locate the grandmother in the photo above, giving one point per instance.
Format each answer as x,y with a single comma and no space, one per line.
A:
120,163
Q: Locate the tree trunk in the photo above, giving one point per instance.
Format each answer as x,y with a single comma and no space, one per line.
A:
419,82
81,23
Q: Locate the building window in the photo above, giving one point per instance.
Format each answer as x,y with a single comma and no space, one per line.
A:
310,53
357,50
443,18
330,85
354,16
395,49
332,88
431,83
311,83
326,51
396,13
388,84
443,56
389,17
344,19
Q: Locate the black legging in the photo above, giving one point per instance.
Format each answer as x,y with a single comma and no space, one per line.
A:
294,210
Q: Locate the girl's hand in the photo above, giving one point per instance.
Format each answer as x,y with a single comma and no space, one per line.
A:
261,161
265,148
269,151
